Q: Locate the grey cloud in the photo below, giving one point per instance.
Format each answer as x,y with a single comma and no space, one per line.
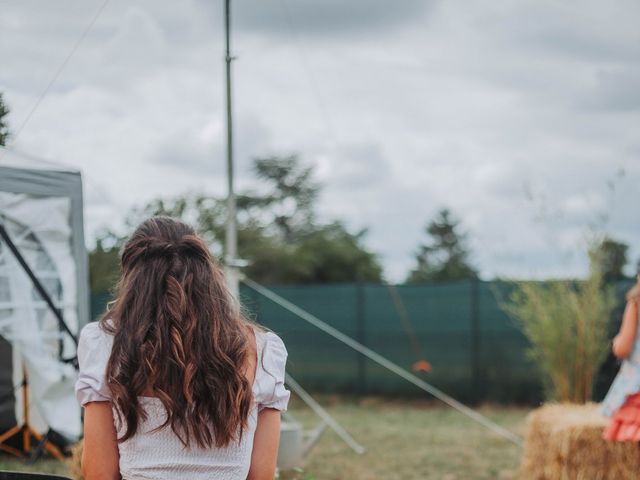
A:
203,151
322,17
357,166
191,155
565,39
586,31
432,104
395,218
615,90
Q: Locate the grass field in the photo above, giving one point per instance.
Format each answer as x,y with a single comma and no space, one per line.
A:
405,440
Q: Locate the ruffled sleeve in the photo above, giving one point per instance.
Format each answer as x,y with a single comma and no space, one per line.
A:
94,349
270,374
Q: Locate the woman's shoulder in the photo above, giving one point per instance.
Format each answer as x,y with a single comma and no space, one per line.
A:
94,346
269,345
93,335
94,350
270,375
93,330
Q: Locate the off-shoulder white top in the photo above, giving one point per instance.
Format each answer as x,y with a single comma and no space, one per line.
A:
158,454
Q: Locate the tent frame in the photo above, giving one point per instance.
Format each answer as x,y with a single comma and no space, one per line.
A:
56,182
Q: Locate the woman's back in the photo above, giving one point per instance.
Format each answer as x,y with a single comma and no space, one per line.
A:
157,453
175,382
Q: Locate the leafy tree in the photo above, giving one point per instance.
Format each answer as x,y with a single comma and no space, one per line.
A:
612,256
327,254
277,231
103,265
4,128
288,200
446,256
330,253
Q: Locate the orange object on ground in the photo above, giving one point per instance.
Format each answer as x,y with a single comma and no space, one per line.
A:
625,423
422,366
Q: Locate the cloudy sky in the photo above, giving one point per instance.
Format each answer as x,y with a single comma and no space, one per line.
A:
522,117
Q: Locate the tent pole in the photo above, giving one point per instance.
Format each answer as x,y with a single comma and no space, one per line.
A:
37,285
231,237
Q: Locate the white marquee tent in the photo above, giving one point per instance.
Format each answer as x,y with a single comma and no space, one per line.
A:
41,214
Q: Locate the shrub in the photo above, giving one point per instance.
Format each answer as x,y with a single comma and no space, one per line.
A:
566,323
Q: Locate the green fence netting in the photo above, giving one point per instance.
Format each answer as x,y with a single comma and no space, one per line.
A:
476,351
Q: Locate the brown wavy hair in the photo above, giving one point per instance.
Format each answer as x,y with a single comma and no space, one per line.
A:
178,333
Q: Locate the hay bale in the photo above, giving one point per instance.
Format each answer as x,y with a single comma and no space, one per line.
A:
74,463
565,442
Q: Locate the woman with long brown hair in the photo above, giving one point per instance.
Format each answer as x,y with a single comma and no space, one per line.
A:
175,382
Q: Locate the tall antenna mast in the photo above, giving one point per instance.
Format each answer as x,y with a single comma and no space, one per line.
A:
231,240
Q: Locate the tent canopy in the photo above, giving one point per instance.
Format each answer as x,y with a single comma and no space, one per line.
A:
41,211
21,173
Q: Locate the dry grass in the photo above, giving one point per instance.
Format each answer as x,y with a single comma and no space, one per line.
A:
411,441
74,463
405,440
565,442
41,466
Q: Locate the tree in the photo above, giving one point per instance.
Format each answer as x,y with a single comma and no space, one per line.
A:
290,193
612,256
328,254
4,128
445,257
277,230
332,254
103,265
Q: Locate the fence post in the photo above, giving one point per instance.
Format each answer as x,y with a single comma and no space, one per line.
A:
361,327
475,339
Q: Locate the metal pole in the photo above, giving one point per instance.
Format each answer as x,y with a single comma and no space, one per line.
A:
231,240
324,415
384,362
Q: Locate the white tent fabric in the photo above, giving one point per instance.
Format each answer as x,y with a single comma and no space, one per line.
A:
40,228
20,173
41,207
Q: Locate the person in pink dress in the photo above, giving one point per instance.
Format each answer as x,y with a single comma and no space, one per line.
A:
622,402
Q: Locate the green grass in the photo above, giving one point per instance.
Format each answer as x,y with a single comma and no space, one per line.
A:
411,440
405,440
41,466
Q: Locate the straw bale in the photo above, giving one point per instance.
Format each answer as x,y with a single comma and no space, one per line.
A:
564,442
74,463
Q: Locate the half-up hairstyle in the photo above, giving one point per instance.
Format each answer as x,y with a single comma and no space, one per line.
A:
178,333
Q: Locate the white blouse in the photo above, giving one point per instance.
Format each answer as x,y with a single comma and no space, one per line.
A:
158,454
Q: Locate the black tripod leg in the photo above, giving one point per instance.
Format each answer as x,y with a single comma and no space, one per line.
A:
36,453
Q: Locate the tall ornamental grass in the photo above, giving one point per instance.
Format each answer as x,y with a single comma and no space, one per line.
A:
566,323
